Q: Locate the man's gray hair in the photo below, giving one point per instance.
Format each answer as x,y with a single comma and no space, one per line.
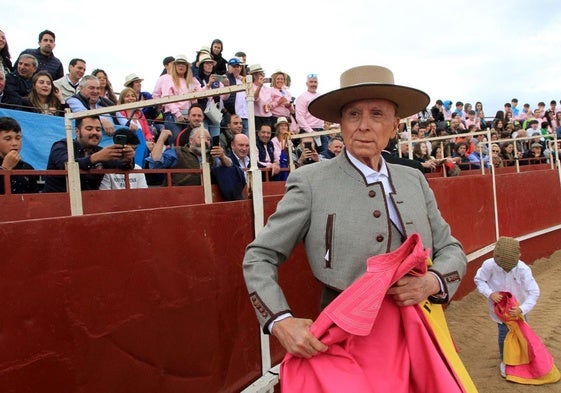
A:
86,78
28,56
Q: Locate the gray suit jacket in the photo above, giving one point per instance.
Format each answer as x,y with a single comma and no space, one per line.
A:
343,221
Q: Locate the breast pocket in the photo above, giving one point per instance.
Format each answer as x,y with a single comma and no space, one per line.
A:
329,227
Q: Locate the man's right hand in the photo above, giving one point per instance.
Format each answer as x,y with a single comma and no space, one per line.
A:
108,126
112,152
164,134
295,336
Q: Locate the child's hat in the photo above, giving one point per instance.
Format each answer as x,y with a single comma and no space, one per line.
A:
507,252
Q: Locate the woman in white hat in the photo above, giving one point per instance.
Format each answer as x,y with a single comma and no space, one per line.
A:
179,81
280,143
135,82
209,80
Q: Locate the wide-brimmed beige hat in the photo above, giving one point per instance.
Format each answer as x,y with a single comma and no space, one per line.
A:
254,68
130,78
205,58
204,49
280,121
368,82
181,59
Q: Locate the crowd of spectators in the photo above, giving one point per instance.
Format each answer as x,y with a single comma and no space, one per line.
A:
164,135
522,136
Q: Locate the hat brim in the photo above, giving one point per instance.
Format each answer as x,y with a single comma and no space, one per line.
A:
133,80
328,106
200,63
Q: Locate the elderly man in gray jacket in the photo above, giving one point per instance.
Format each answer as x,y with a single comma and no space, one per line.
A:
350,208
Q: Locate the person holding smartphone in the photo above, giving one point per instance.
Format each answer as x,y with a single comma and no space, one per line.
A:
306,153
89,155
188,156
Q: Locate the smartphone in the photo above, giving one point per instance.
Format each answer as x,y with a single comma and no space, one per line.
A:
120,139
218,78
308,145
216,140
267,80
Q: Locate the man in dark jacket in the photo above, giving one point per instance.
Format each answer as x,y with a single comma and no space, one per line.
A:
89,98
8,99
89,155
45,56
19,82
10,159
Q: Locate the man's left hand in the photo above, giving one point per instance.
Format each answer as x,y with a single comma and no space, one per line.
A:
217,151
411,290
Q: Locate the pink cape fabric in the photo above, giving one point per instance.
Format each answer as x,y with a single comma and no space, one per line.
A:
536,362
394,353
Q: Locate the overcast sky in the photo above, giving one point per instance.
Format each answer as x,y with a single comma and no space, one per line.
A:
478,50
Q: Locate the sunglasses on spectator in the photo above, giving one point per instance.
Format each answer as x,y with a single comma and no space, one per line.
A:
310,76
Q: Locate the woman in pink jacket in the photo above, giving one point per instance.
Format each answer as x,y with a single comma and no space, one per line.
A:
179,81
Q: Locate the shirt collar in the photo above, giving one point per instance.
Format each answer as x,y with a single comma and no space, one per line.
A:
366,170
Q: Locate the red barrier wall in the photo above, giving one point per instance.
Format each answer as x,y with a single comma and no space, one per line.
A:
154,300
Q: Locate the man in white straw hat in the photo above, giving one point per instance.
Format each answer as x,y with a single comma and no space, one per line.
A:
349,209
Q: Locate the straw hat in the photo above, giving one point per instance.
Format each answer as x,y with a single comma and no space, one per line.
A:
130,78
181,59
368,82
280,121
205,49
507,252
205,58
254,68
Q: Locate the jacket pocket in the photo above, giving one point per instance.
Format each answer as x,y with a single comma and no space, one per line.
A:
329,240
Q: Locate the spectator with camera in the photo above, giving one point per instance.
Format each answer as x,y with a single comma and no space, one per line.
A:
305,153
209,80
116,181
88,154
187,156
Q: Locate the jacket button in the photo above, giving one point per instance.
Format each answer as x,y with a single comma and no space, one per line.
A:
376,213
380,238
371,193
